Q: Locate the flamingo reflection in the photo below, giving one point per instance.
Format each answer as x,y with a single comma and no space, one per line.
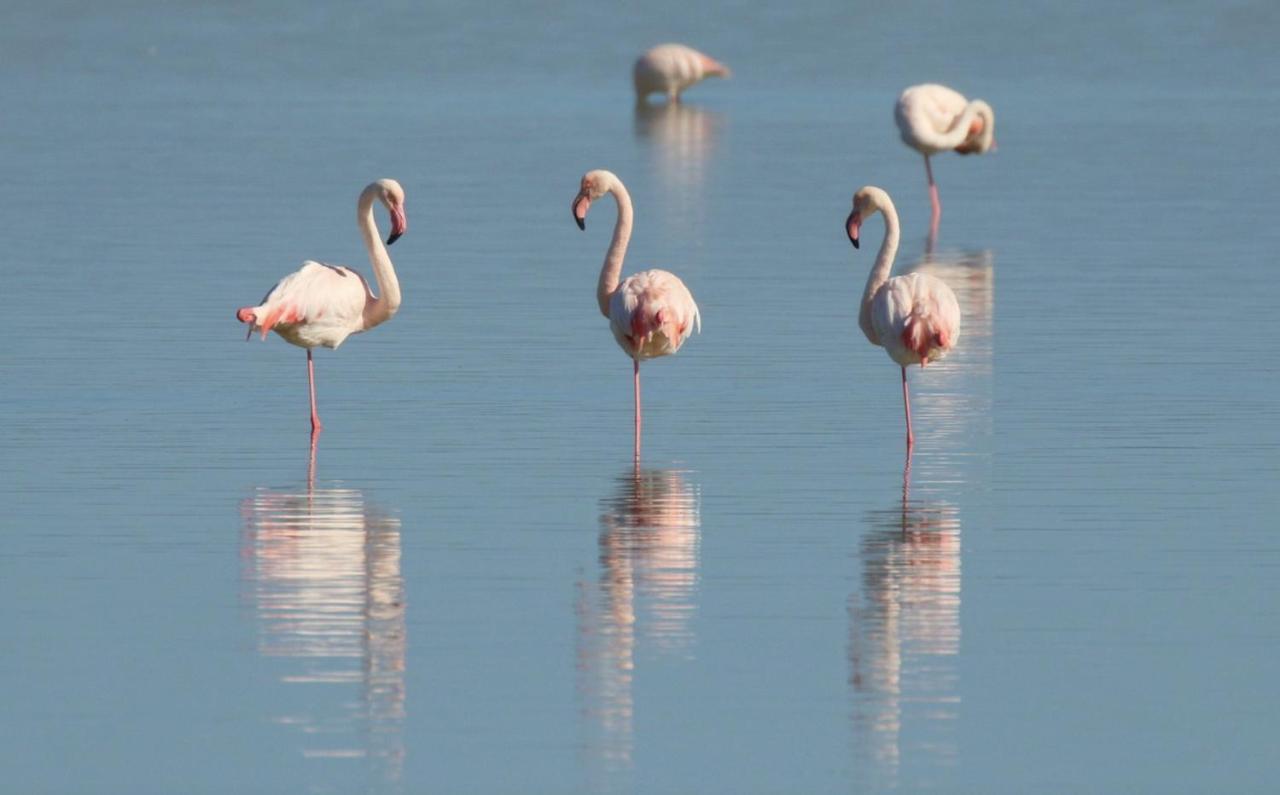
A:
322,569
649,539
682,139
904,635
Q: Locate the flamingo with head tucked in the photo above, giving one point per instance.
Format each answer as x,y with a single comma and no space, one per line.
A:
671,68
915,317
933,118
321,305
651,313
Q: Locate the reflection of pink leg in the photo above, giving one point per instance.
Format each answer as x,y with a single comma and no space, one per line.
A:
311,462
637,386
311,381
906,491
906,404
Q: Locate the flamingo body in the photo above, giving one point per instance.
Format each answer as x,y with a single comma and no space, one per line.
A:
914,317
933,118
929,120
652,313
318,305
669,69
321,305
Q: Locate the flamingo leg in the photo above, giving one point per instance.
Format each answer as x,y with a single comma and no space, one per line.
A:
906,404
637,389
311,382
933,200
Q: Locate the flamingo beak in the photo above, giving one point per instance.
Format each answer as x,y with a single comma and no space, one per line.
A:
713,68
398,224
580,207
852,225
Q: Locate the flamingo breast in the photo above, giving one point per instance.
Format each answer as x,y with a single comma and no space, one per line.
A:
916,318
652,313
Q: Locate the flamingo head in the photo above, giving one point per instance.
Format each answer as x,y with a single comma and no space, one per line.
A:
982,131
594,185
713,68
866,202
391,195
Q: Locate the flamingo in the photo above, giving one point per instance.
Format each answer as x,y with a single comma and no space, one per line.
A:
321,304
915,317
933,118
671,68
651,313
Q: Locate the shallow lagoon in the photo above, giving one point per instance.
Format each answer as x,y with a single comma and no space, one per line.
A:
474,590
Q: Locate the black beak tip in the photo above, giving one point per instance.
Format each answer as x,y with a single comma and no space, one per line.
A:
582,223
393,238
854,241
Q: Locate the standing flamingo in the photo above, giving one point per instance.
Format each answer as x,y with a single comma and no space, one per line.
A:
321,304
915,317
933,118
651,313
671,68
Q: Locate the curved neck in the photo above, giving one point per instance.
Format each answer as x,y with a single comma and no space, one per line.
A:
880,271
379,308
611,271
959,132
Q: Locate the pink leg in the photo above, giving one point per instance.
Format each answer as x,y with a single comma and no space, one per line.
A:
637,387
906,403
933,200
311,381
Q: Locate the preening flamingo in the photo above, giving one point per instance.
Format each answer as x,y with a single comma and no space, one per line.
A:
915,317
671,68
321,304
933,118
651,313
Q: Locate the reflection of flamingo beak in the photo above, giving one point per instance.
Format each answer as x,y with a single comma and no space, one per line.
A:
580,207
852,225
398,224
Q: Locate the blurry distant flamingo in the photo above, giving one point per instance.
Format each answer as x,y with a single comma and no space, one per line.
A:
671,68
915,317
651,313
933,118
323,304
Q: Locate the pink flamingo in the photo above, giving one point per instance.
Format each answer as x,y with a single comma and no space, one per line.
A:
651,313
933,118
915,317
671,68
321,304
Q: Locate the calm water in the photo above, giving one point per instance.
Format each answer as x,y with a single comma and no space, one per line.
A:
1075,588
